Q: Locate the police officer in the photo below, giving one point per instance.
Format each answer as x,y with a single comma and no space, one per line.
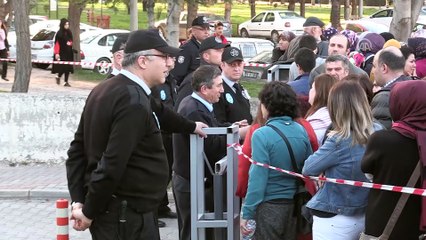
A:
233,105
166,93
211,50
189,58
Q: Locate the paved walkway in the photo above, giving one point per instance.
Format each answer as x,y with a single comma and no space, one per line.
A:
28,193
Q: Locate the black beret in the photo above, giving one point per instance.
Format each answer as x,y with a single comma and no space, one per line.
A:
141,40
313,21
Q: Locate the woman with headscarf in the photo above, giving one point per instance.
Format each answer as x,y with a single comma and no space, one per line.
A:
391,157
282,46
369,45
418,44
63,52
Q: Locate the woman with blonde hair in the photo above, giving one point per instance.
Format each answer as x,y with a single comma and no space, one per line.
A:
339,210
318,115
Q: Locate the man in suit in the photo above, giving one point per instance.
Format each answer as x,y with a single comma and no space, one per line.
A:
117,167
207,85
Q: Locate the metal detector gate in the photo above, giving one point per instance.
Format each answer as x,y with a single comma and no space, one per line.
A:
223,223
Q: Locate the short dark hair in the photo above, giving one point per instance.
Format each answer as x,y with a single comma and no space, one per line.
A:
338,58
305,58
218,24
407,51
393,61
308,41
279,99
204,75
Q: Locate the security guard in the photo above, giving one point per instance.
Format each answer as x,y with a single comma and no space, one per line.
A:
166,93
233,105
189,58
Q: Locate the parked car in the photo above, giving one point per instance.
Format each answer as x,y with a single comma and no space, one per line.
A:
43,42
250,47
270,24
11,34
257,67
96,47
385,16
183,33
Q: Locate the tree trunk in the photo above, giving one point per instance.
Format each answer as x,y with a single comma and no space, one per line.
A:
252,8
151,17
313,2
404,18
74,14
335,13
173,14
354,5
23,46
192,12
291,5
302,8
133,15
228,8
144,5
347,12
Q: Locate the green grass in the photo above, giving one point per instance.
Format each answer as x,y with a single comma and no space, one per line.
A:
240,12
253,87
88,75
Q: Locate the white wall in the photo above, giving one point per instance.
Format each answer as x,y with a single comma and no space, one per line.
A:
38,127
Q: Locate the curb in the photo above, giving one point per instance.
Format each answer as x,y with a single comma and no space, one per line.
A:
34,194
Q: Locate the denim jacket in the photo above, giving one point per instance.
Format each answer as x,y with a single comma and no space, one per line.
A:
338,158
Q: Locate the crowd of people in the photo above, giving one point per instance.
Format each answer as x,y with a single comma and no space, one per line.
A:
355,109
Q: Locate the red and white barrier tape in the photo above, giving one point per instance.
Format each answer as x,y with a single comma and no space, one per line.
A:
409,190
61,62
83,63
256,65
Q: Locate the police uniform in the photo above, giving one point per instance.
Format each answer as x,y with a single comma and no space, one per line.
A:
187,61
234,104
189,58
166,93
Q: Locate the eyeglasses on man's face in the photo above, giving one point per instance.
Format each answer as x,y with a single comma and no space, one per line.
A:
164,56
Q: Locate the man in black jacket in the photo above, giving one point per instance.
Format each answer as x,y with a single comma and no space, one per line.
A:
117,167
234,104
207,85
189,58
211,50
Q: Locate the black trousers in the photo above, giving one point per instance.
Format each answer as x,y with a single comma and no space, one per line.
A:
137,226
3,54
168,146
182,195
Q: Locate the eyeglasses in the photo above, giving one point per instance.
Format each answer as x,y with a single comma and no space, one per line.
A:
166,57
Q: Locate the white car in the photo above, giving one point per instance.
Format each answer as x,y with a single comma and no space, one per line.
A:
384,17
250,47
270,24
211,18
11,35
96,47
54,25
43,42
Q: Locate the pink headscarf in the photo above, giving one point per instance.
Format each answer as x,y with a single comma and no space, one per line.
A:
407,105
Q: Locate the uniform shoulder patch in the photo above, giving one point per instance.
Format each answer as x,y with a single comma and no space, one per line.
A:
163,95
181,59
229,98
